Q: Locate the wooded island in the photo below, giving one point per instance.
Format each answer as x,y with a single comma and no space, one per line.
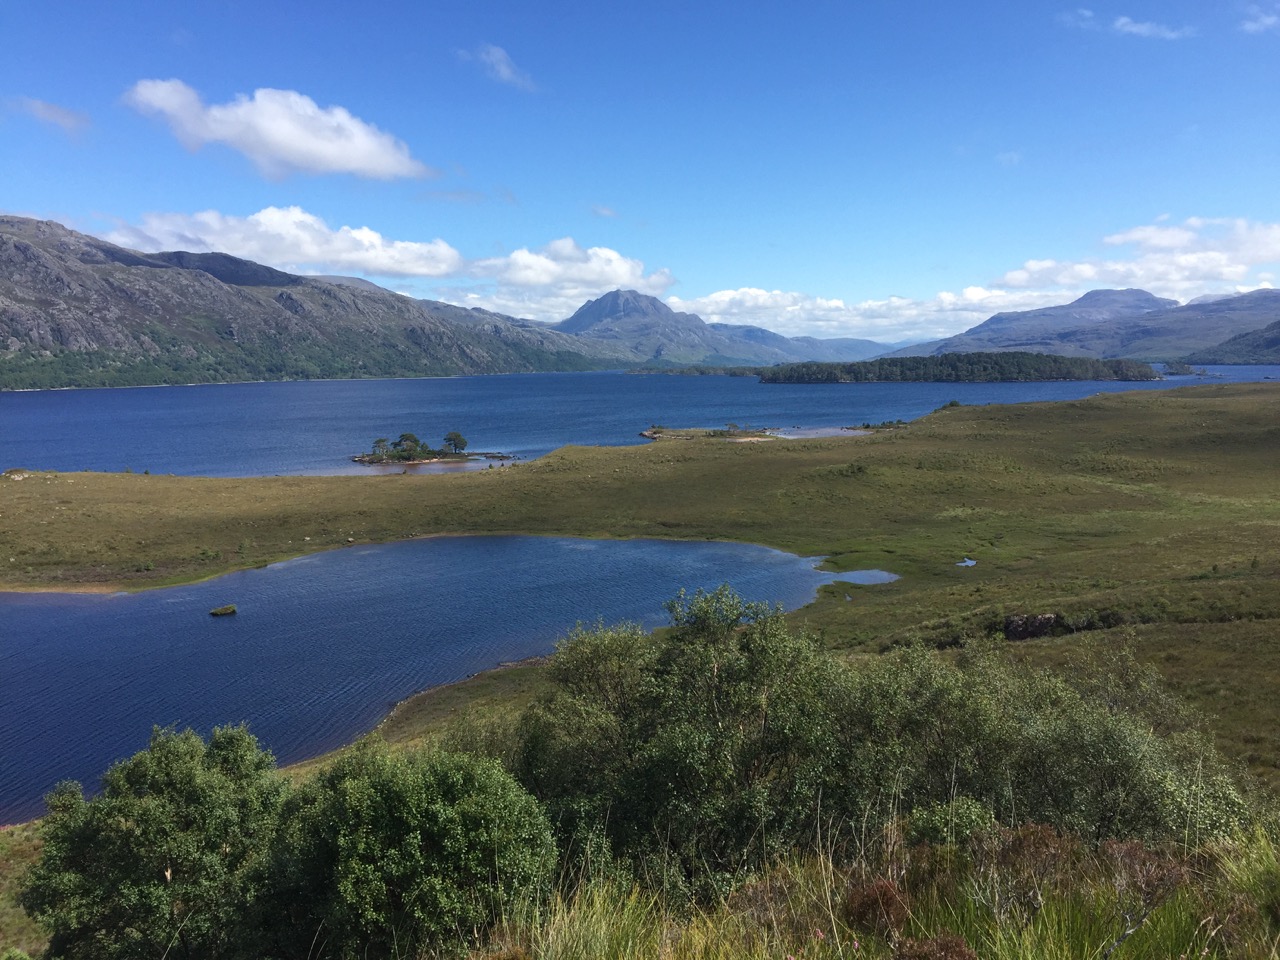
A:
409,449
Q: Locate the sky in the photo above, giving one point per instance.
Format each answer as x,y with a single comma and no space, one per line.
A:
879,169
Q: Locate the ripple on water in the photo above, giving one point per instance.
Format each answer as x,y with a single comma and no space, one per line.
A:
323,645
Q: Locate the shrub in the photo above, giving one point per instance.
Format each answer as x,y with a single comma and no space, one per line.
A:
388,854
161,863
699,751
916,731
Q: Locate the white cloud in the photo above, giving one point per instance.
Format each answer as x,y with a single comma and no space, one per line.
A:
292,239
552,282
888,320
1260,20
498,65
281,131
1154,31
71,122
1182,260
545,284
1009,158
1201,255
602,211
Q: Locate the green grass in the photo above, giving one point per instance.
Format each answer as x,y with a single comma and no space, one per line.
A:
19,848
1071,906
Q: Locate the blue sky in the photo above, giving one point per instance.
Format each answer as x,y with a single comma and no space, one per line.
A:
872,169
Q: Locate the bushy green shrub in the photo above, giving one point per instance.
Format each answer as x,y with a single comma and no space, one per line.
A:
1085,755
163,862
387,854
699,750
707,748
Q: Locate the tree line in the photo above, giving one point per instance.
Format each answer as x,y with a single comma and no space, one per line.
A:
944,368
962,368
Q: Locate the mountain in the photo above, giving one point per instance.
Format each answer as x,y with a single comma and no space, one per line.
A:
1129,324
650,331
78,311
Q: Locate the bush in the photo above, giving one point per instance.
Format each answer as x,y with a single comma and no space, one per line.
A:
162,862
705,750
1084,756
699,751
388,854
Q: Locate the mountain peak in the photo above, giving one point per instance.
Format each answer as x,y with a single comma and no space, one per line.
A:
1130,300
616,305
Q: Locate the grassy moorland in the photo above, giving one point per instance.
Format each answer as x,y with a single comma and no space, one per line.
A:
1148,519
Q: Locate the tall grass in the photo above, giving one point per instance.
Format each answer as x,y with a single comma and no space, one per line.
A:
1011,895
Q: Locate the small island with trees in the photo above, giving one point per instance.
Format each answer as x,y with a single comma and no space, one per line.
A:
408,449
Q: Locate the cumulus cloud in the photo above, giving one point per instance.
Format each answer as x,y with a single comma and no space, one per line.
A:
553,281
499,66
1197,256
1261,20
1172,259
281,131
292,239
545,284
71,122
1154,31
1201,255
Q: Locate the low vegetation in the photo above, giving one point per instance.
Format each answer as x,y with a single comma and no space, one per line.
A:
721,788
989,761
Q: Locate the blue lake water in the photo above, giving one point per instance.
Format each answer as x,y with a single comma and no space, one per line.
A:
314,427
322,646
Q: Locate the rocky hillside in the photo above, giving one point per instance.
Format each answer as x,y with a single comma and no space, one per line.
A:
77,311
1130,324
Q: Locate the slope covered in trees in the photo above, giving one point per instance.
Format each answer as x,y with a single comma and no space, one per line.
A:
961,368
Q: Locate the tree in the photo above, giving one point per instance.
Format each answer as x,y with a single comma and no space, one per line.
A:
386,854
455,441
162,862
381,447
408,443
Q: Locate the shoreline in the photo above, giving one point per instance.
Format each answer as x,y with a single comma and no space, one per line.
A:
108,588
369,460
419,696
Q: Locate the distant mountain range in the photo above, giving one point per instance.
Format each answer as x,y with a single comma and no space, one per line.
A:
1125,324
78,311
